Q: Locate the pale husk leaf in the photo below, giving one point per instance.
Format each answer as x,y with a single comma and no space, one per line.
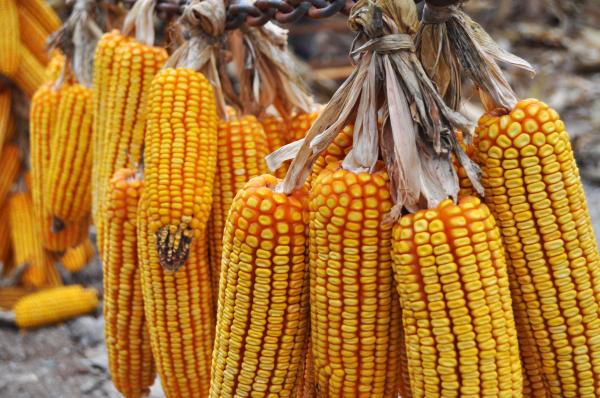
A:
140,19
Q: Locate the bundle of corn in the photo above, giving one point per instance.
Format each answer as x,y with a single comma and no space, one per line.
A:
532,187
27,245
241,149
262,317
133,64
52,306
127,339
76,258
180,161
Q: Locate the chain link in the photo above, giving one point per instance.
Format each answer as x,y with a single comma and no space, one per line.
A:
259,12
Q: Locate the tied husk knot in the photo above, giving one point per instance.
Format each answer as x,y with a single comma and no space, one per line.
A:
77,39
398,116
203,23
140,19
450,43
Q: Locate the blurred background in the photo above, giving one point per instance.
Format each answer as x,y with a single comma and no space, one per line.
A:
560,38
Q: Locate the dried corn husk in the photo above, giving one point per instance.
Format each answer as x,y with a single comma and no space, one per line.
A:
397,114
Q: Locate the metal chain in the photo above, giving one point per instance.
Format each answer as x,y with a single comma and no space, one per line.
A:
259,12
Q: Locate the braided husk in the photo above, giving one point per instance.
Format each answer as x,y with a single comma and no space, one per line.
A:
449,44
397,113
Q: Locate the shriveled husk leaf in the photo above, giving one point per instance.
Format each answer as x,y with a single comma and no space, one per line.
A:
397,114
267,72
450,44
77,39
203,23
140,19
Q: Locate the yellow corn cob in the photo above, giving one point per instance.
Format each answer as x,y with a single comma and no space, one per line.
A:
454,291
355,315
55,66
533,188
241,149
9,296
31,74
262,320
43,14
5,247
180,160
135,66
336,152
44,112
69,179
466,187
127,338
104,64
299,125
33,35
9,38
27,245
52,306
7,123
276,133
10,164
76,258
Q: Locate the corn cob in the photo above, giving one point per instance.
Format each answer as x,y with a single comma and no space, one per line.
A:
135,66
104,63
69,178
10,164
355,319
9,38
262,320
241,149
55,66
180,158
299,125
42,13
276,132
127,339
7,123
454,291
180,161
33,35
76,258
533,188
52,306
336,152
31,74
27,245
466,186
5,247
9,296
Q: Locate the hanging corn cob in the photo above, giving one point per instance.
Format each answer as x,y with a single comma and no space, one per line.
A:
9,296
466,187
55,305
276,132
104,64
67,188
262,318
337,151
27,245
299,125
353,313
33,35
7,123
453,285
10,41
76,258
42,13
127,338
135,64
56,66
180,160
241,148
534,190
43,117
10,165
31,74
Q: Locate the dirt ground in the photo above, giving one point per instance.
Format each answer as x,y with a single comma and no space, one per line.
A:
69,360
